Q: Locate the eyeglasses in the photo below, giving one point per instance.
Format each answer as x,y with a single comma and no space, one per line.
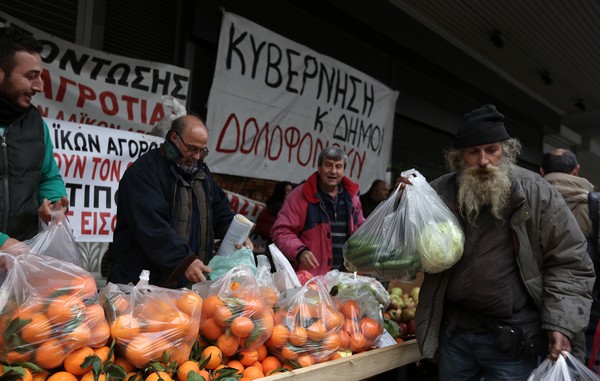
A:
192,149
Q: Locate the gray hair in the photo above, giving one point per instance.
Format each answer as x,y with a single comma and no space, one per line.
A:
511,148
332,153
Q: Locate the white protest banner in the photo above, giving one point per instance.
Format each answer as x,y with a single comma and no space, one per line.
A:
248,207
92,160
275,104
87,86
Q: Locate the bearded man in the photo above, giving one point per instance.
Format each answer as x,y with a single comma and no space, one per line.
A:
522,288
169,211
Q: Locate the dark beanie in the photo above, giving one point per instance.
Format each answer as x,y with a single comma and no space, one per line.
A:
484,125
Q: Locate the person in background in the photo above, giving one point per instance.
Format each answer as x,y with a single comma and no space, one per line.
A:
265,221
32,187
377,192
169,211
560,168
524,274
319,215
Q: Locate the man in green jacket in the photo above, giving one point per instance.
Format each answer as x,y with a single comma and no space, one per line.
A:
522,288
30,183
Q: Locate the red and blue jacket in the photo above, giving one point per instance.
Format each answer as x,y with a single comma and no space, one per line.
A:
303,223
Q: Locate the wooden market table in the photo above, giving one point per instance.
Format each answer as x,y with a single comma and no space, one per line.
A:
356,367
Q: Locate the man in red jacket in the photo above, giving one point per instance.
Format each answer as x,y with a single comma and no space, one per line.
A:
318,216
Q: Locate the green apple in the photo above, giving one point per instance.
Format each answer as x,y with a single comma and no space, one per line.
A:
396,291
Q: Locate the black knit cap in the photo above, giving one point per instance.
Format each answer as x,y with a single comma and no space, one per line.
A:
484,125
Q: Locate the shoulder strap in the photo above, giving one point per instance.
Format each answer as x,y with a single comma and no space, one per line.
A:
593,200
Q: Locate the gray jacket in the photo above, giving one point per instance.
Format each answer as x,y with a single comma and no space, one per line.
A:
552,258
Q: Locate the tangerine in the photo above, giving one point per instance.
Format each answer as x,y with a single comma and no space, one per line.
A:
305,360
242,326
158,376
235,364
89,376
189,303
270,363
248,357
350,309
229,344
216,356
185,368
278,337
50,354
209,306
64,308
210,330
262,352
358,342
62,376
74,361
37,330
298,336
222,316
125,327
103,353
316,331
125,364
370,328
252,373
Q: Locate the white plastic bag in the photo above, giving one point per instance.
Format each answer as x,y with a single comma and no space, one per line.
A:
563,369
56,240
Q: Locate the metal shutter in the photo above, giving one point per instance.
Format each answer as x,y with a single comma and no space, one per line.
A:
141,29
57,17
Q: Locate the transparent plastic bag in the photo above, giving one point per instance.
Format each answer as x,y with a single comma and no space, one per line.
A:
360,300
56,240
285,277
238,312
306,326
377,246
431,231
565,368
48,306
146,321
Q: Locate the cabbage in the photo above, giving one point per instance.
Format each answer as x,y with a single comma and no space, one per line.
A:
440,246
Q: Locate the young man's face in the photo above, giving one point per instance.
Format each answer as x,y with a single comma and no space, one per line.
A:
24,81
331,173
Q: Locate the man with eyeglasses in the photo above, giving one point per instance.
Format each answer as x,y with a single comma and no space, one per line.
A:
169,211
31,185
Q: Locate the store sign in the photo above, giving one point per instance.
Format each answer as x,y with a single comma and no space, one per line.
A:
87,86
275,104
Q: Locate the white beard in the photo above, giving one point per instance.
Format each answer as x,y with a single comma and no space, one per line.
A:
480,187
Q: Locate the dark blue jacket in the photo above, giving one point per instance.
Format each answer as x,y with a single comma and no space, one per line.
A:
145,237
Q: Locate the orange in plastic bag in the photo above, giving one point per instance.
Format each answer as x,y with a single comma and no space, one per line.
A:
49,308
237,313
147,321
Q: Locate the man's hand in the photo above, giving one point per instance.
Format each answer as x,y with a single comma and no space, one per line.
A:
59,208
14,247
557,343
195,271
247,243
308,260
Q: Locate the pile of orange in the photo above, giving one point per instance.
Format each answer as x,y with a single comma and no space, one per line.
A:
55,314
306,328
240,319
360,326
147,324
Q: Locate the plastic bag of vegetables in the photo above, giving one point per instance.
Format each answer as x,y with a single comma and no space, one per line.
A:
431,230
377,246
